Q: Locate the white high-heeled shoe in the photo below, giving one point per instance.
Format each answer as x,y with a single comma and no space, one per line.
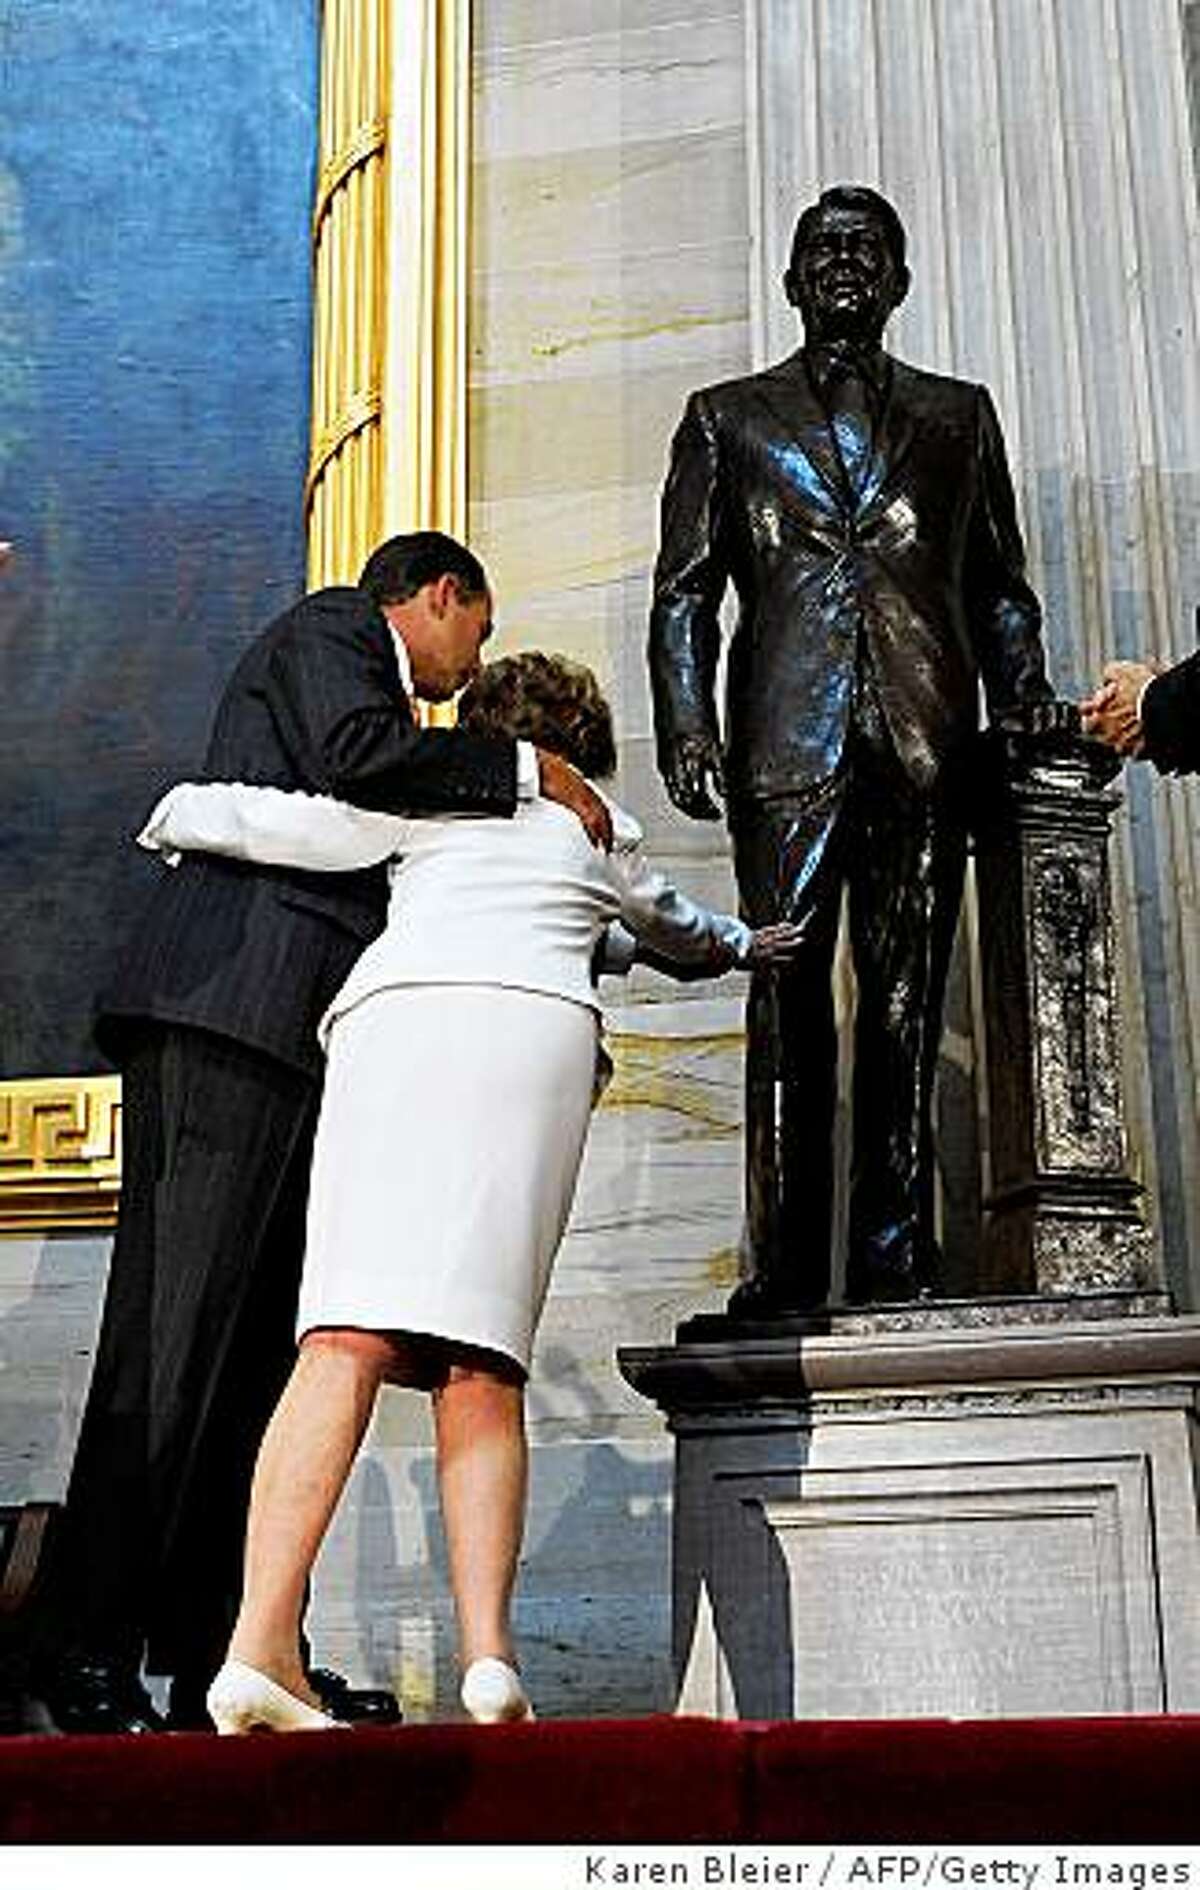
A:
242,1700
492,1692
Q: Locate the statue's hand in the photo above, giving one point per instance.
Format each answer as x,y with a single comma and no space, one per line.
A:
692,773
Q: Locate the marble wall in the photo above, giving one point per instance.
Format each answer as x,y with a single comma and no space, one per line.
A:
50,1291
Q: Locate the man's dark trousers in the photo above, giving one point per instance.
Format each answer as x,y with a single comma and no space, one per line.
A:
206,1261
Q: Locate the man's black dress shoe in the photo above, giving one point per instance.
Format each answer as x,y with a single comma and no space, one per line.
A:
88,1693
353,1706
186,1711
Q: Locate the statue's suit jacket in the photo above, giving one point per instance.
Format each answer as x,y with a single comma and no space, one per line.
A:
918,573
256,953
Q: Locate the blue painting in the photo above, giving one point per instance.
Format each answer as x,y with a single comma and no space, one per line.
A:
156,184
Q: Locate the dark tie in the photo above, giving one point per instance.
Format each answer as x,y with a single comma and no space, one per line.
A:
848,404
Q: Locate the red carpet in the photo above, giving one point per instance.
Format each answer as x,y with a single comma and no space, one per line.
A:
1082,1781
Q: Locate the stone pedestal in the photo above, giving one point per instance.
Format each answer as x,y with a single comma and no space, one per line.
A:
1063,1211
974,1509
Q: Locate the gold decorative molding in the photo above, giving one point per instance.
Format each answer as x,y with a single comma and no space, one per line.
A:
365,143
390,246
342,492
60,1153
362,411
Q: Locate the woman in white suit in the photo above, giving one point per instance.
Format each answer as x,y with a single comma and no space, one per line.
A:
461,1055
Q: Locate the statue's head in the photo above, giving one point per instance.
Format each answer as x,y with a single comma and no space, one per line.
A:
847,270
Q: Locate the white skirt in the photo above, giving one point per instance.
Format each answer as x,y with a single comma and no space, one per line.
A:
451,1132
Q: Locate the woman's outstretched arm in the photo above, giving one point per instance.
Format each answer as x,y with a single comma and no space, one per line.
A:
678,930
271,826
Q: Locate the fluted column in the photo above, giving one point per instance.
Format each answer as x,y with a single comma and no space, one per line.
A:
342,492
390,236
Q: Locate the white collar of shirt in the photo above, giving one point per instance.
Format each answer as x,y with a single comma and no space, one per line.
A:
403,663
528,772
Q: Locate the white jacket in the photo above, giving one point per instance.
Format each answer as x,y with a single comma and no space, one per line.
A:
486,901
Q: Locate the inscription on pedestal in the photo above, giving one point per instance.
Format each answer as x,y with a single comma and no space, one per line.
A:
959,1602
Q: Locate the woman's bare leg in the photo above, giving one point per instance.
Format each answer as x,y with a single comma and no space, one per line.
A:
306,1456
482,1477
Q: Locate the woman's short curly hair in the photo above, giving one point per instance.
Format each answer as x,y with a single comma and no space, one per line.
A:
544,699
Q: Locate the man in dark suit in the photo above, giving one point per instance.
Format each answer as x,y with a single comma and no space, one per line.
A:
213,1023
1149,714
863,512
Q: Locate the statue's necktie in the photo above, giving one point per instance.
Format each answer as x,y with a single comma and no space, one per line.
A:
848,403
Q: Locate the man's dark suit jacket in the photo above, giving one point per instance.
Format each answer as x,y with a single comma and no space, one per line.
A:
921,572
1171,718
256,953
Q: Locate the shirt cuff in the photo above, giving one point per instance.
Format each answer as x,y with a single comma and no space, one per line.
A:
528,774
151,839
1141,696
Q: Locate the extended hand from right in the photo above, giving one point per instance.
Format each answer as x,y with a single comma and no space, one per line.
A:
560,782
1110,713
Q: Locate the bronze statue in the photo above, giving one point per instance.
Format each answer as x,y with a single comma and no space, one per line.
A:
864,514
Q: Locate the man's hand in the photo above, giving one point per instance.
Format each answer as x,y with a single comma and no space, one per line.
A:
560,782
692,773
1110,713
772,946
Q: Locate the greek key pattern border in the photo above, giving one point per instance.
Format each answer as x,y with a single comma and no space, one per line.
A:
60,1153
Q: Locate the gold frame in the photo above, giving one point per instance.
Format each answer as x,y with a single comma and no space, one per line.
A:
60,1153
389,435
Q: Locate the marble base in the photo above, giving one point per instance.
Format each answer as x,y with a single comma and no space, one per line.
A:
994,1519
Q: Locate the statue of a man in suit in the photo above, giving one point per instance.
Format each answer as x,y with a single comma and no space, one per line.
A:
864,514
